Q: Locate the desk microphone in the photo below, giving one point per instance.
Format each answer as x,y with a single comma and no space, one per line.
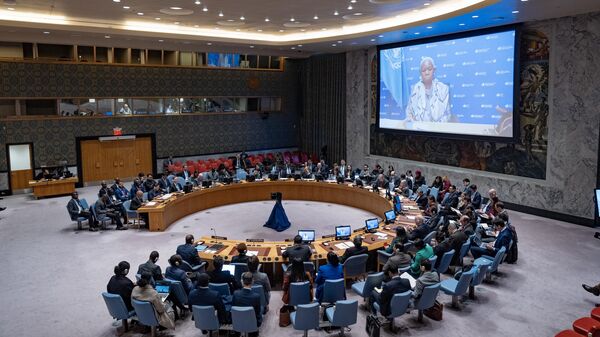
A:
214,232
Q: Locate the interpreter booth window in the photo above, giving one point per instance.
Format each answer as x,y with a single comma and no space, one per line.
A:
106,106
240,104
222,104
187,105
171,106
124,107
69,107
270,104
196,105
155,106
88,107
224,60
139,106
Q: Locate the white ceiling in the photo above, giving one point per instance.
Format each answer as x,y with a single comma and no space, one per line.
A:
369,22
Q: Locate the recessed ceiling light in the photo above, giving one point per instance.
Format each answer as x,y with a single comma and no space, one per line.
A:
174,8
299,45
316,17
281,30
302,30
116,0
372,40
251,46
350,7
415,10
10,9
140,13
209,43
515,12
196,26
197,2
157,19
461,24
293,48
333,45
358,14
46,32
323,28
230,20
523,0
429,27
267,20
417,33
292,19
238,30
339,42
221,14
259,30
242,18
380,35
176,22
161,40
217,28
353,1
336,13
475,16
426,4
107,36
126,7
205,9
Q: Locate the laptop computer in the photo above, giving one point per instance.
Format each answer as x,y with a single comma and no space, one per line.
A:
230,268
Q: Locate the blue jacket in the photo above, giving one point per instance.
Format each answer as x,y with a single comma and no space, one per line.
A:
206,296
327,272
476,200
178,274
189,254
503,239
248,298
122,194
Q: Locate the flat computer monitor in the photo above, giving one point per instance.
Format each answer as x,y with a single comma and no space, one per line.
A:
397,204
390,216
308,235
162,288
372,224
342,232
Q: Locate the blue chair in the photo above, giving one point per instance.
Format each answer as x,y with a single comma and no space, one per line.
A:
355,266
495,262
205,318
131,214
240,268
145,197
429,237
103,221
84,203
434,191
145,314
300,293
464,249
244,320
257,288
364,288
178,291
382,258
478,278
445,262
398,306
79,220
403,270
221,288
424,188
201,268
433,260
306,317
343,314
333,291
427,299
457,288
117,308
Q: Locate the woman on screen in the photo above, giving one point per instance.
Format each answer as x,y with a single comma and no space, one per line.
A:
429,98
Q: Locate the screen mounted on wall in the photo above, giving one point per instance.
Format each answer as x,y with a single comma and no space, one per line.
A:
457,86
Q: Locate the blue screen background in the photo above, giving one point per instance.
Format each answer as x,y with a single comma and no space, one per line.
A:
479,71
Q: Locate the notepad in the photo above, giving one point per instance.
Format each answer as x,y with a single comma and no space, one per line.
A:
166,196
381,235
344,245
252,253
411,217
410,279
151,203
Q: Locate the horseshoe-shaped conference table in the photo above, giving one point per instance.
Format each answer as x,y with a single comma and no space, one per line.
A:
165,212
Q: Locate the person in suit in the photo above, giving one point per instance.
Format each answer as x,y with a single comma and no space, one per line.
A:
188,251
287,170
259,278
217,275
246,297
421,231
204,296
145,292
135,186
113,204
196,179
151,267
155,192
331,271
295,273
120,284
185,174
149,183
380,182
136,203
76,210
121,192
212,175
307,173
475,197
451,199
298,250
104,189
175,186
419,180
502,240
400,259
427,278
421,200
401,237
164,183
395,285
103,212
174,272
455,240
358,249
424,252
365,174
241,257
167,162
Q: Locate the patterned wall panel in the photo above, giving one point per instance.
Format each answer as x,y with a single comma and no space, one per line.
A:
185,135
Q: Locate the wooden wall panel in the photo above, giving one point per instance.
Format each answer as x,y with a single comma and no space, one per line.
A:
118,158
20,179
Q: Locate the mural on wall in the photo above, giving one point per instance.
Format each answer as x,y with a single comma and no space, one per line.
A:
526,158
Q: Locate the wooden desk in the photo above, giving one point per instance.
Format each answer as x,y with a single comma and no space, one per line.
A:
47,188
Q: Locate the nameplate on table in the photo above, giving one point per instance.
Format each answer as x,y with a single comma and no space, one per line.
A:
328,236
255,240
218,237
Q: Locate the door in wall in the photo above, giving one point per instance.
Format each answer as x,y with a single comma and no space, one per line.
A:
20,160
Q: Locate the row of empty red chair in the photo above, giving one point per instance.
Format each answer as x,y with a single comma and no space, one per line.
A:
584,326
295,158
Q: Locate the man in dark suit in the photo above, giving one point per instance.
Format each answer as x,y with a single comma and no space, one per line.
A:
120,284
151,267
502,240
421,199
155,192
454,241
176,186
188,251
421,231
245,297
164,183
298,250
174,272
356,250
202,295
452,199
185,174
396,285
475,197
76,210
137,202
220,276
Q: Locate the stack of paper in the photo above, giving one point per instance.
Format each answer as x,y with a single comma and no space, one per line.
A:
410,279
151,203
252,253
166,196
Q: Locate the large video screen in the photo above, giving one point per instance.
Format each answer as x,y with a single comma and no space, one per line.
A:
460,86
